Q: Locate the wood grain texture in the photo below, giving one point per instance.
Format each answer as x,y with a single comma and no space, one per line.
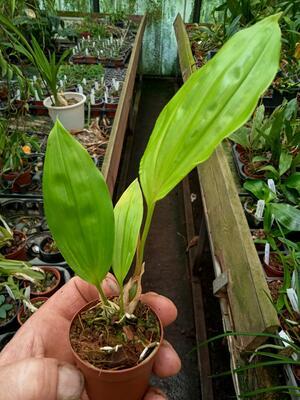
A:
114,149
230,240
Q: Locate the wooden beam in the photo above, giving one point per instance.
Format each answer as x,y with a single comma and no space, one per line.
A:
114,149
230,240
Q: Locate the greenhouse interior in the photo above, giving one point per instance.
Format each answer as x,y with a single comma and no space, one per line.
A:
149,199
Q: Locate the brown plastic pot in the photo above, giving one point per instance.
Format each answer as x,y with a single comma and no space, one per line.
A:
275,267
18,181
49,292
21,311
127,384
20,252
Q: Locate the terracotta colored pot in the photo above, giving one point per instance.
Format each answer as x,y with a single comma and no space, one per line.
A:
21,312
49,292
18,181
110,109
127,384
20,252
37,108
248,170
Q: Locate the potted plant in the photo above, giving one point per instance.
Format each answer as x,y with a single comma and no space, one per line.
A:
16,148
12,243
95,236
68,106
46,286
26,311
49,252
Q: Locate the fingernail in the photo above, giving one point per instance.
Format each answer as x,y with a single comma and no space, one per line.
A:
155,394
112,285
70,383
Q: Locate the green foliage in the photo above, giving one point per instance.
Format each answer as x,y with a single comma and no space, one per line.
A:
47,67
78,207
12,155
128,219
20,269
215,101
4,307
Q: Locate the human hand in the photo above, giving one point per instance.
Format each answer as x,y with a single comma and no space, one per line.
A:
37,362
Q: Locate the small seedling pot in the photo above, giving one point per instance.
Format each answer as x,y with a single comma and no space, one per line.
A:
72,117
49,291
49,257
22,313
18,181
274,268
127,384
18,253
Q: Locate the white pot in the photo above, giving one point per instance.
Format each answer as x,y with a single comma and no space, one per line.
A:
72,117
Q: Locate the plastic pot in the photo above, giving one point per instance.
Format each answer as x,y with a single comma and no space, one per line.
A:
72,117
11,323
17,181
47,292
127,384
274,268
20,252
22,313
52,258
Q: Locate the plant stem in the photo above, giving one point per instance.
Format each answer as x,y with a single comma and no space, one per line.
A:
122,311
102,295
141,247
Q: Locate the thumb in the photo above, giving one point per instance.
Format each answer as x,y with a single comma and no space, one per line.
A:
40,378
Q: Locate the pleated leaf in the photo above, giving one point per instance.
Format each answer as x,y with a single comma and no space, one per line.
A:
214,102
287,215
78,206
128,219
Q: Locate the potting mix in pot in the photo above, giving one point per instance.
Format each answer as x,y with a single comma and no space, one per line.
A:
115,340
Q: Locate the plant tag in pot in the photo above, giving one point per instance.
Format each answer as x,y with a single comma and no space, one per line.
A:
287,339
93,102
74,51
271,185
84,81
34,78
36,95
86,51
80,89
97,85
292,295
267,253
260,210
61,84
18,94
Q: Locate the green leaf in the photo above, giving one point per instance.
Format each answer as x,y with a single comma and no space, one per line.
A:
78,207
287,215
128,219
214,102
260,190
293,181
285,162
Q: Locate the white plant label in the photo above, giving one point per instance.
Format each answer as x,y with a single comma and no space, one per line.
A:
89,38
83,38
18,94
65,77
97,85
80,89
94,44
117,85
285,336
271,185
34,78
292,295
106,97
93,101
260,209
267,254
74,51
61,83
102,80
84,81
98,53
36,95
86,52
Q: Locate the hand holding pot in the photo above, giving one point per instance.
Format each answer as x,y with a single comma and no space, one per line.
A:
36,363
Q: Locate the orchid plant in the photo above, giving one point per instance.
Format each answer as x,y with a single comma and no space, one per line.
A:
94,236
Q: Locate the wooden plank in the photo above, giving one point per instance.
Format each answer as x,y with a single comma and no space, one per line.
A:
186,58
230,240
114,149
199,313
233,247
